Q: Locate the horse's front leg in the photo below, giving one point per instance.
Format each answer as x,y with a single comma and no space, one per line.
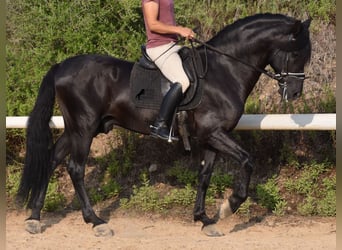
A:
207,163
223,143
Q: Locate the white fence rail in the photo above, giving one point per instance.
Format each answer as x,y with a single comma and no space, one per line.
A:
247,122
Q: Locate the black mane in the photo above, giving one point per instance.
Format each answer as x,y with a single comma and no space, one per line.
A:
253,22
259,26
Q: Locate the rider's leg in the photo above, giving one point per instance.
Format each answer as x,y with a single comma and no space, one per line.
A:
170,64
161,126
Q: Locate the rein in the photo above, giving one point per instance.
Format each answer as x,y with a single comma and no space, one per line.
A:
280,77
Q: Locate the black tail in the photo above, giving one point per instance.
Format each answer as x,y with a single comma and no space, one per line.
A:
39,143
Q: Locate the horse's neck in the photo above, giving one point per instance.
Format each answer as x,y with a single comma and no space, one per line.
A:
245,77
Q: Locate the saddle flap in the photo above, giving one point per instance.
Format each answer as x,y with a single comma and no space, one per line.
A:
148,85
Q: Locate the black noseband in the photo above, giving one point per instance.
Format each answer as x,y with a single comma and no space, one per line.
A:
282,79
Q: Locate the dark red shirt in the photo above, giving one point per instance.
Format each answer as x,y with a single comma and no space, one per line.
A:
166,15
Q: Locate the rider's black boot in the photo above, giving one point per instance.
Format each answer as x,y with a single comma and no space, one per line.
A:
161,126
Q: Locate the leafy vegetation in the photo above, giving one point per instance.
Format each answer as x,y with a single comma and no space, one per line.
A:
147,198
55,200
318,192
270,197
182,174
219,183
42,33
119,162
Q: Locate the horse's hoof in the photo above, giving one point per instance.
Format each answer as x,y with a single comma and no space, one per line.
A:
33,226
212,231
225,210
103,230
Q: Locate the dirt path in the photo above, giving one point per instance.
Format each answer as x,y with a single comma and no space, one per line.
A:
70,232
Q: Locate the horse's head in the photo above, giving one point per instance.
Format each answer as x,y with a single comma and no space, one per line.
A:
289,58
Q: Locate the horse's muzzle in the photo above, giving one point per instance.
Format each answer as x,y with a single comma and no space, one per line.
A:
291,87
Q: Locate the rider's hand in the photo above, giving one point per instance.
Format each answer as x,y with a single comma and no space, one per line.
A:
186,32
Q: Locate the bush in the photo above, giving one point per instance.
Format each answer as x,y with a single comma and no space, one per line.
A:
54,198
318,192
219,183
144,198
269,196
182,174
42,33
147,198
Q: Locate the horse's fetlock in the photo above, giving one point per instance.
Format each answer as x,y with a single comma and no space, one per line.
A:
198,216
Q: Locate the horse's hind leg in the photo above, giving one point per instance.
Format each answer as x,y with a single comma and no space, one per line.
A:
76,169
61,149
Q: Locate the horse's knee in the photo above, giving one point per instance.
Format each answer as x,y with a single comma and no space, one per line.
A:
75,171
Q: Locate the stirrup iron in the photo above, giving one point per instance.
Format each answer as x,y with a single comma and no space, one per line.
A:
171,129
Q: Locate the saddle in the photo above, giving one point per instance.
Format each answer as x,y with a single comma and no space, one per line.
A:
148,85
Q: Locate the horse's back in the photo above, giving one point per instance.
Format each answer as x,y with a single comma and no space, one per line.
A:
90,64
86,86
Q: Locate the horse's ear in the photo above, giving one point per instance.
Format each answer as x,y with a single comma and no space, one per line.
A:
296,28
299,26
306,23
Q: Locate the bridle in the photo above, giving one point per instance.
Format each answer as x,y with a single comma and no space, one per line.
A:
281,78
285,74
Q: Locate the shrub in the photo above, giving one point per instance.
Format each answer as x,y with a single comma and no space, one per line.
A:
219,183
41,33
244,209
269,196
318,192
180,197
144,198
149,199
54,198
182,174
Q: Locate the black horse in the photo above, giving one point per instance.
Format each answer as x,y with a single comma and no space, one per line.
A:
93,94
